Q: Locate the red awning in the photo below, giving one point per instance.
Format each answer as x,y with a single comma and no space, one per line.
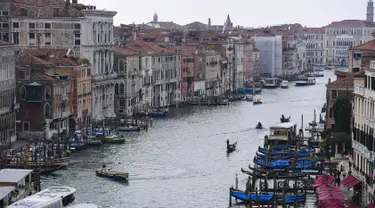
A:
350,181
371,205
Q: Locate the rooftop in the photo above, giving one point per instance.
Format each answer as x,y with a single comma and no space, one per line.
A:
351,23
13,175
44,9
5,191
285,125
368,46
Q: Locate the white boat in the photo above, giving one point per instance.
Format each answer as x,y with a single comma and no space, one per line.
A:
305,81
57,196
284,84
271,83
83,206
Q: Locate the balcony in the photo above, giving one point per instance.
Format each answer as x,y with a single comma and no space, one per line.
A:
101,77
359,90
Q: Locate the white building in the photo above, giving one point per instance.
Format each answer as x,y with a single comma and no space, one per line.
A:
294,56
7,94
97,46
314,38
363,132
341,35
270,51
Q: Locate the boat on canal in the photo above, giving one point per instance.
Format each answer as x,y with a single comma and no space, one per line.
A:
58,196
282,134
257,101
115,175
41,166
259,126
157,114
271,83
305,81
113,139
128,128
94,140
284,84
231,147
267,198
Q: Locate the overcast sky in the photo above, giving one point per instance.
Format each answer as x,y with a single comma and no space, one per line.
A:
250,13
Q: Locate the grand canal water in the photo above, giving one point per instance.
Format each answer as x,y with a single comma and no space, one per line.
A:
181,161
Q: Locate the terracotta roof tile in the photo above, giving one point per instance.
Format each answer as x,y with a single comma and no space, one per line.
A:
125,51
147,47
44,9
312,30
351,23
39,76
368,46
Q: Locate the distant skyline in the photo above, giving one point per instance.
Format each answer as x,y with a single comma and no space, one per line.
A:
248,13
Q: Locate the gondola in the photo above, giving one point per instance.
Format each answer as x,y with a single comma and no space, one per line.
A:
267,198
282,164
115,175
287,152
284,120
231,147
270,173
259,126
273,157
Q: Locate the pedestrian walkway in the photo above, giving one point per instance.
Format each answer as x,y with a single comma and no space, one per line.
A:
347,193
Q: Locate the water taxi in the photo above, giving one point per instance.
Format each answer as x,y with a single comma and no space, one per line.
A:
282,133
113,139
284,84
112,174
57,196
305,81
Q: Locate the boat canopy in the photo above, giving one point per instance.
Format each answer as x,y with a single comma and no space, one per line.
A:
286,125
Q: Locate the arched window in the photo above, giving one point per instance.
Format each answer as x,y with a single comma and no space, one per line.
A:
23,93
47,93
47,110
122,89
122,66
116,89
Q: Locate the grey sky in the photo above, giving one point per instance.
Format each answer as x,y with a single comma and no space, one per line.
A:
252,13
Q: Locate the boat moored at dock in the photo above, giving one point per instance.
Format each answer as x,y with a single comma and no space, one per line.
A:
113,139
282,133
271,83
58,196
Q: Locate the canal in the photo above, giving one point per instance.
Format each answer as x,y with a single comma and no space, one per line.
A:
181,161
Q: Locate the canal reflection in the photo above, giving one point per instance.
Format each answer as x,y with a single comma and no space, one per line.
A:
182,161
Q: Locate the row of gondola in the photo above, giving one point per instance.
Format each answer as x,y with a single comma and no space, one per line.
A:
283,159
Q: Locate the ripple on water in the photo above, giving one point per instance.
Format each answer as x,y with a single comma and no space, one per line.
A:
181,161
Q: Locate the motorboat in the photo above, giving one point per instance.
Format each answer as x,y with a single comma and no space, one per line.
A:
108,173
284,84
257,101
305,81
113,139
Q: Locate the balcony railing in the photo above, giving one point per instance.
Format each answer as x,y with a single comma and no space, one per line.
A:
359,90
100,77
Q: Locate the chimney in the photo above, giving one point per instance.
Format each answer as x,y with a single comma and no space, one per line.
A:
74,1
134,35
329,80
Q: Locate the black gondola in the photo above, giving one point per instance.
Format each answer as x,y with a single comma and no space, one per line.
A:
259,126
231,147
284,120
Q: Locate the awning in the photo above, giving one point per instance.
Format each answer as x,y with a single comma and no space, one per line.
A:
371,205
350,181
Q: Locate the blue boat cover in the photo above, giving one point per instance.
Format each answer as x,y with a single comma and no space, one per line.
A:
242,196
282,164
292,199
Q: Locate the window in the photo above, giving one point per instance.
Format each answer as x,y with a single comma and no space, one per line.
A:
5,37
47,94
5,13
23,12
77,26
16,38
5,25
77,39
334,94
32,25
16,25
26,126
47,39
55,12
31,38
47,25
47,110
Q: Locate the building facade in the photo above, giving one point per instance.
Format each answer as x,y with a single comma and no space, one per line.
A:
8,84
97,46
314,38
294,56
5,14
270,50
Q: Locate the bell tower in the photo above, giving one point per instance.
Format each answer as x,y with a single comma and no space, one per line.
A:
370,11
